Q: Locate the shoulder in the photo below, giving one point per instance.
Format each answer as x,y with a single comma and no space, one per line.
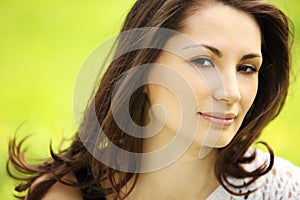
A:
282,181
59,190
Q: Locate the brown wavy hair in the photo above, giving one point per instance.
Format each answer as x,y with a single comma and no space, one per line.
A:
277,34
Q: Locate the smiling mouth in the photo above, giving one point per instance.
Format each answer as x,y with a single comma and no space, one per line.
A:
220,119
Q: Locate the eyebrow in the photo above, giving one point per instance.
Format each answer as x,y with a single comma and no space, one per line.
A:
220,54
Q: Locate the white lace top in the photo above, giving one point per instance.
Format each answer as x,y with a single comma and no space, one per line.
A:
281,183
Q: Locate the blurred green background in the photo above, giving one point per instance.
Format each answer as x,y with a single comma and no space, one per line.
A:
42,46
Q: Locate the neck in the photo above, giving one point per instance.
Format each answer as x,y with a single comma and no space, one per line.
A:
187,178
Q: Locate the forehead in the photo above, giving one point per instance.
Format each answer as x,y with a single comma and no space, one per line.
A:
223,25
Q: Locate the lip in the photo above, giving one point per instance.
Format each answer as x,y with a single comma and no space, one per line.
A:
221,119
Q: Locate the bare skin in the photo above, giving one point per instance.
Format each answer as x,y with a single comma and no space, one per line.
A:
187,178
61,191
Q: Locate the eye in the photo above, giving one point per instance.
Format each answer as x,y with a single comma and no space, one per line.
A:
247,69
202,62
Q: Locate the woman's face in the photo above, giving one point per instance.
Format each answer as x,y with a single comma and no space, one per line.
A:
221,68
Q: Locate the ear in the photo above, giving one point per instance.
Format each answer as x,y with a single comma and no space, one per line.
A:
146,89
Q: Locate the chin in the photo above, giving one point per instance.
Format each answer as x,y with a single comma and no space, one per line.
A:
222,142
214,138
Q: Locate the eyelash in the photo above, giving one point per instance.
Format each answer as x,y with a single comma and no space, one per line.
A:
195,61
241,68
246,67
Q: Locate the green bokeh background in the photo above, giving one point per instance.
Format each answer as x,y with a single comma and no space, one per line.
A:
42,46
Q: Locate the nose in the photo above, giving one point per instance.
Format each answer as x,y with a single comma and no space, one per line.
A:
226,87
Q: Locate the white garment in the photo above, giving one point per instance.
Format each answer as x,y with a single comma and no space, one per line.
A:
281,183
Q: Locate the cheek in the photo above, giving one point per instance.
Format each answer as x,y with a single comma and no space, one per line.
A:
178,103
164,104
162,96
201,92
248,92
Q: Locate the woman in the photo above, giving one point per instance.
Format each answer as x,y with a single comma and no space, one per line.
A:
226,65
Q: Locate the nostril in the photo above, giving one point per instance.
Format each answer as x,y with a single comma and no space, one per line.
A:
227,92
